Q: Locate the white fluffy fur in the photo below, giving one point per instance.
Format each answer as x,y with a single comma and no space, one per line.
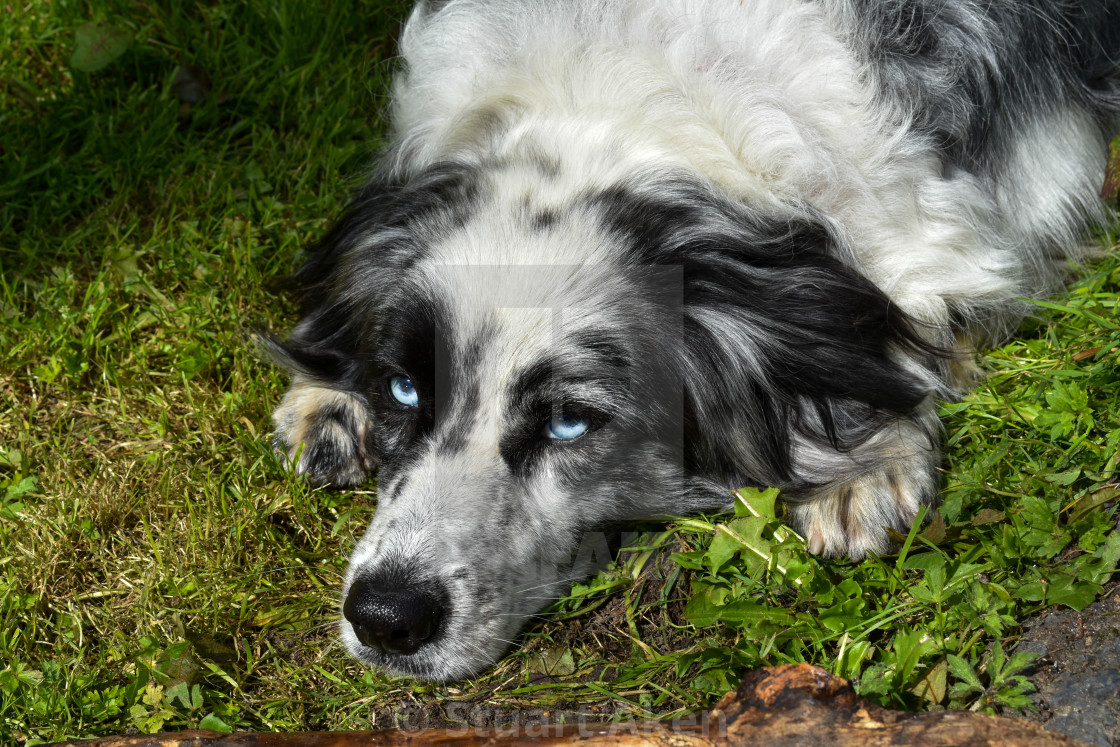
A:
760,98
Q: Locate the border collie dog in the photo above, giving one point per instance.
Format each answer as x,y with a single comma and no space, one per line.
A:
622,256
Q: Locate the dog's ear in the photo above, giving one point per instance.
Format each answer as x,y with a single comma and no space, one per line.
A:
325,423
782,339
323,346
323,427
801,343
343,285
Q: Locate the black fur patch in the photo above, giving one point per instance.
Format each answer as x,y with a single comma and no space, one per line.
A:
819,333
348,275
409,344
458,395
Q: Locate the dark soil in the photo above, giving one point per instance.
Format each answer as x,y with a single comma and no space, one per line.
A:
1078,670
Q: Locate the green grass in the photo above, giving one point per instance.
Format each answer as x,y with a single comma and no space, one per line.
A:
158,569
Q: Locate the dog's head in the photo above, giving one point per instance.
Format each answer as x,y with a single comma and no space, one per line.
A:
525,366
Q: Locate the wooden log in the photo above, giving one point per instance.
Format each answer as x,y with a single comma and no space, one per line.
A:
777,706
805,705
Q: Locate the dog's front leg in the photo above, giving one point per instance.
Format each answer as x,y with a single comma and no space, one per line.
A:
881,485
325,434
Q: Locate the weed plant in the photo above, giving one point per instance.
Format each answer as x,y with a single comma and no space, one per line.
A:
161,166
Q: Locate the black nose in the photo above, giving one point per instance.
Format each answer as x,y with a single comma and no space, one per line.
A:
397,620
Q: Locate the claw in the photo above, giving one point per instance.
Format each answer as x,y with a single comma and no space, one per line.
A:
816,543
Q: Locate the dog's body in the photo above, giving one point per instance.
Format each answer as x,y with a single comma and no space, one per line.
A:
623,256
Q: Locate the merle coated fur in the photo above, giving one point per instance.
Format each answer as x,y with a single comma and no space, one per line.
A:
742,243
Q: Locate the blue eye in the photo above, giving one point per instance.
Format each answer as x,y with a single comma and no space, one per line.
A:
403,391
565,427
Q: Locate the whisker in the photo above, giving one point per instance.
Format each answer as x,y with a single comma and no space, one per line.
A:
590,598
488,659
549,583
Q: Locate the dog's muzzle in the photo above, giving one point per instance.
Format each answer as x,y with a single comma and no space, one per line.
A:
393,618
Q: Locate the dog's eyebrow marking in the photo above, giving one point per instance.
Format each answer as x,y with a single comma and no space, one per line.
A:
592,358
408,337
612,355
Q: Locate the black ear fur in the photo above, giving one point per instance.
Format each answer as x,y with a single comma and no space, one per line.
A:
778,330
341,286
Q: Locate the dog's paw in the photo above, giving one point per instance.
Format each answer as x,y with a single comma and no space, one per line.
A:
325,434
852,518
962,371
